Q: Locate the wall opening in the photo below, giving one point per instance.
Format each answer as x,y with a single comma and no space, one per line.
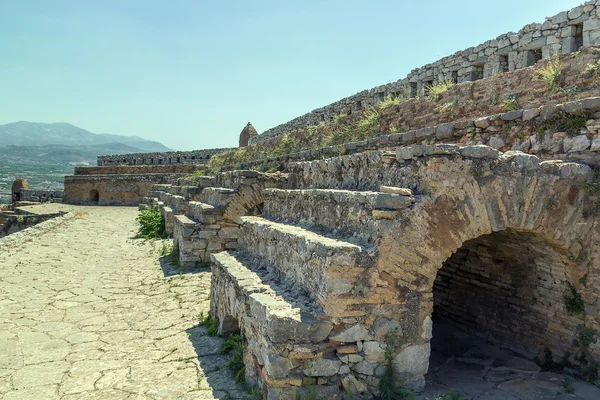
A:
427,86
532,57
503,59
414,89
454,77
94,196
502,295
359,105
578,36
478,73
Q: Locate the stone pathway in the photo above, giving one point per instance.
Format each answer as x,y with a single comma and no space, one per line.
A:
86,312
479,371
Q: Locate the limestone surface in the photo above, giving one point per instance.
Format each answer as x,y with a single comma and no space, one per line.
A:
88,312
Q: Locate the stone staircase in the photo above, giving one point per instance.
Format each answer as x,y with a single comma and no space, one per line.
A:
334,265
293,284
201,213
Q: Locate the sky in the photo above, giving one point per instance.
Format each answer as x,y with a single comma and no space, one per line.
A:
191,73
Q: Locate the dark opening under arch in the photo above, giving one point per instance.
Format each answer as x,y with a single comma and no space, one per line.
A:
94,196
499,300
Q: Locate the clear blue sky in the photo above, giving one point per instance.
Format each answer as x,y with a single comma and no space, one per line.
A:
191,73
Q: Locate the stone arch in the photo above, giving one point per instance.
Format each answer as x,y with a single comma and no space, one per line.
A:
94,196
467,201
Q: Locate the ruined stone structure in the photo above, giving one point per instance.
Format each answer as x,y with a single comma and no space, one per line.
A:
482,218
18,185
42,196
355,248
125,185
168,158
563,33
247,133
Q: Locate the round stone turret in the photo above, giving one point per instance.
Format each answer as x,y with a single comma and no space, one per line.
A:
17,186
247,133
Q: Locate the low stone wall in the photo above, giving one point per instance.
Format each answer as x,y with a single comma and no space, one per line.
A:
139,169
173,157
16,223
123,190
42,196
563,33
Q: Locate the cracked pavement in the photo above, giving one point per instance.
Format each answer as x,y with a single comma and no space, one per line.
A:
87,312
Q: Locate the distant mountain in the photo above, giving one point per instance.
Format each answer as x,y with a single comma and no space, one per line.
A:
25,133
60,154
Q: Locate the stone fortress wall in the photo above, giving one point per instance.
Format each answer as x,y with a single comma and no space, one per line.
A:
172,157
42,196
563,33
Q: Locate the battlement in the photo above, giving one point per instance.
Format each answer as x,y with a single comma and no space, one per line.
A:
169,158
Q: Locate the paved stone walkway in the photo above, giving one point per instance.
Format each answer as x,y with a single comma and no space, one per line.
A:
86,312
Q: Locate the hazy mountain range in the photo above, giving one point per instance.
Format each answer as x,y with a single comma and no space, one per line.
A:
63,142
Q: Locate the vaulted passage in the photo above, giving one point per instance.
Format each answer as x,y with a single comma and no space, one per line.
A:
506,288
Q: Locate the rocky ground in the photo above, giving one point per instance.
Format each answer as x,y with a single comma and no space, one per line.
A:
476,370
88,312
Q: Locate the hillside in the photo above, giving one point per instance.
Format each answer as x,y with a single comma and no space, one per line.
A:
25,133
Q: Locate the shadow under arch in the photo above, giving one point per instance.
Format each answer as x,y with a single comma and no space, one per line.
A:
94,196
508,209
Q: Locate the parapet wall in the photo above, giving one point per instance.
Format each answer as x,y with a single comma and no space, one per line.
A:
563,33
173,157
139,169
41,195
122,190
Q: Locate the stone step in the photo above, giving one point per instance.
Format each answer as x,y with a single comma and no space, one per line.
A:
198,181
150,201
244,291
202,212
177,203
341,211
217,196
175,190
168,216
324,267
191,193
190,247
159,188
154,193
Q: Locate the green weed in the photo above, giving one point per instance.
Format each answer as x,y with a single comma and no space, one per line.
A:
435,90
567,383
594,68
511,102
235,344
151,224
564,122
551,73
573,300
390,101
212,324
